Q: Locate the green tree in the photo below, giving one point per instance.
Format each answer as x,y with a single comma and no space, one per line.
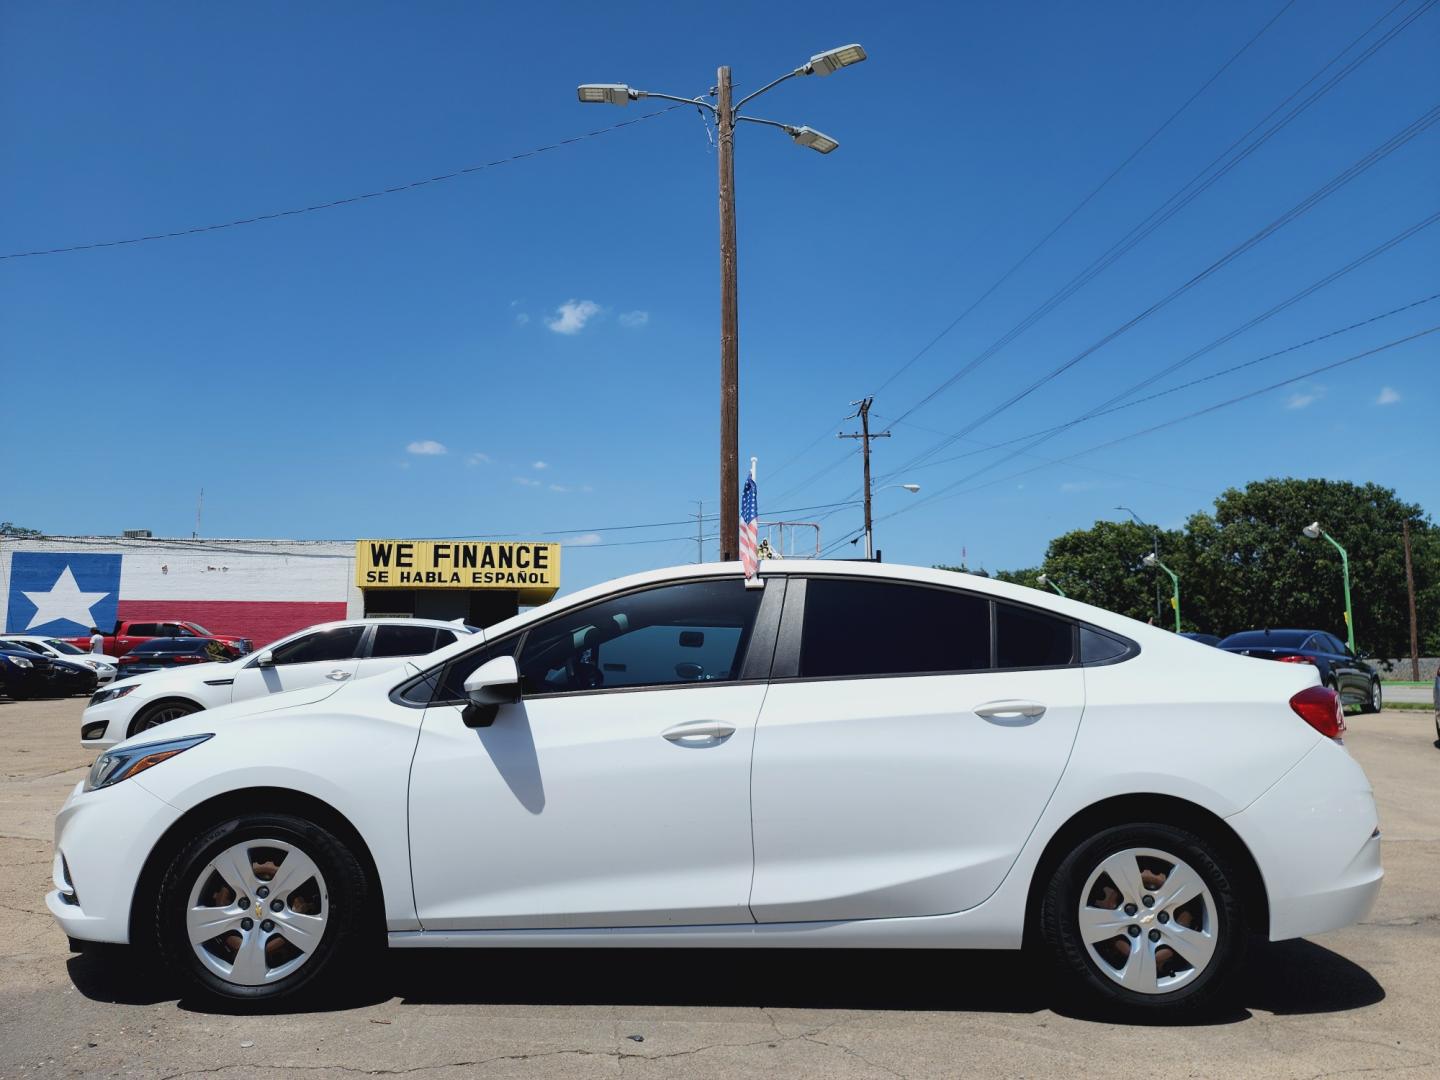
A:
9,528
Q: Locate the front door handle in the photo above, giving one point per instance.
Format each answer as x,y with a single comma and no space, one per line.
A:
699,729
1010,710
338,675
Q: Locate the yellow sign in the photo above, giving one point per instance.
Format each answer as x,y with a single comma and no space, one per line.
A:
533,569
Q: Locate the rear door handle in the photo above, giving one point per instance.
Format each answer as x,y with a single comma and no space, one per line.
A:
338,675
699,729
1010,710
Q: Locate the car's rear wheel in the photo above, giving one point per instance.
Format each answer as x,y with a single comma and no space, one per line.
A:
1375,702
1145,918
162,712
261,906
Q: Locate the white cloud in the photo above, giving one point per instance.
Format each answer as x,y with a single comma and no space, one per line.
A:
539,464
584,539
562,488
1302,399
1078,485
521,319
634,318
426,447
477,458
571,316
525,481
1388,396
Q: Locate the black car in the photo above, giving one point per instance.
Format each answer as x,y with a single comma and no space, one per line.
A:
168,652
1355,681
25,674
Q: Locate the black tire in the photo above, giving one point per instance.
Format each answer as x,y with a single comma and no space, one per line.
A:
1091,990
1374,701
346,899
162,712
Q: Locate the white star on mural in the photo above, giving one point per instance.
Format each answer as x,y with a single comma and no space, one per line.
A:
64,601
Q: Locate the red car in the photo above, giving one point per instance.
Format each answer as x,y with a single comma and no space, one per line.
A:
128,633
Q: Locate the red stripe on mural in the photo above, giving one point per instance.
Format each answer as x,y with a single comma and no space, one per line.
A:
259,620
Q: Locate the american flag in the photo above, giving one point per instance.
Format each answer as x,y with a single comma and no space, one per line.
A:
749,511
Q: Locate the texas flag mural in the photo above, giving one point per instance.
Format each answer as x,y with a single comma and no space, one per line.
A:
260,596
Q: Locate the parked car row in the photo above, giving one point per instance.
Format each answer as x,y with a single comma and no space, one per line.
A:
28,674
106,667
129,633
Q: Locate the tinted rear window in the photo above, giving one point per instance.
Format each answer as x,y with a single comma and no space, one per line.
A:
1284,639
1026,638
391,640
883,628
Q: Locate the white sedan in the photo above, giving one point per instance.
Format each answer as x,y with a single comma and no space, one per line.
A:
317,658
854,755
105,667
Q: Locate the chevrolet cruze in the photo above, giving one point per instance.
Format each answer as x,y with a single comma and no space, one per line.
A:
840,754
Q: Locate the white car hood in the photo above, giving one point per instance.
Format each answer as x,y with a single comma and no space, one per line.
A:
206,719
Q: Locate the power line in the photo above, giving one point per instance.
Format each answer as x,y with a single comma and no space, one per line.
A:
412,185
949,490
1379,153
1087,199
1184,195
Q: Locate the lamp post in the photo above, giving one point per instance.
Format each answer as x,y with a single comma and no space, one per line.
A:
869,534
1046,579
1152,561
1313,531
1154,549
726,117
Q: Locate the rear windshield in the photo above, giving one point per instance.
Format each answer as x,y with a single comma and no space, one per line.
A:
61,646
1284,639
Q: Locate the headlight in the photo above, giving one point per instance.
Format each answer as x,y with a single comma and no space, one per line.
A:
113,692
120,764
21,662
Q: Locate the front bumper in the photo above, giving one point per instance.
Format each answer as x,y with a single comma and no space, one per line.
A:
102,839
1316,838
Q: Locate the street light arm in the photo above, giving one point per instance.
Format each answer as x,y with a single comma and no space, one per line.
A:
770,85
671,97
789,129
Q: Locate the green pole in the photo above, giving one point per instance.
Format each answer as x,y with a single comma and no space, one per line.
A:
1175,582
1045,579
1345,576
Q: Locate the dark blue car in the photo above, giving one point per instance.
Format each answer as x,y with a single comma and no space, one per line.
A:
1347,674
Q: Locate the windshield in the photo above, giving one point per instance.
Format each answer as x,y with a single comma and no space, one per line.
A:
62,646
1282,639
27,646
198,629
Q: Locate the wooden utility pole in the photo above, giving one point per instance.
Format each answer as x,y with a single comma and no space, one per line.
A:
863,412
1414,627
699,531
729,327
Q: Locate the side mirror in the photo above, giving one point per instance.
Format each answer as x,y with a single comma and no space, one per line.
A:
494,683
265,659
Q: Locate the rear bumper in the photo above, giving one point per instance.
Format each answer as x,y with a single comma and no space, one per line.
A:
102,839
1316,838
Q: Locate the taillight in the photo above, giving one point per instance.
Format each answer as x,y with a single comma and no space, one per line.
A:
1295,659
189,659
1320,707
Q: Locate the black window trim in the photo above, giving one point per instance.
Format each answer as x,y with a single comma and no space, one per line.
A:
787,650
767,620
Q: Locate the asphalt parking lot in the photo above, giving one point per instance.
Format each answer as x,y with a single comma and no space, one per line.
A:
1360,1001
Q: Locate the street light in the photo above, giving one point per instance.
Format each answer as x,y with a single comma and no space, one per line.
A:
1152,561
1313,531
868,535
726,117
1154,549
1046,579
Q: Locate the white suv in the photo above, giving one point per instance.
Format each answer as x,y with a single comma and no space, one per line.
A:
321,658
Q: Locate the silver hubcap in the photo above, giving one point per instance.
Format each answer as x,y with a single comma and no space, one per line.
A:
164,716
1148,920
1375,696
257,912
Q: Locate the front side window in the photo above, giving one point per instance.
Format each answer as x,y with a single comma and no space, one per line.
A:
144,629
693,632
1025,638
392,640
858,627
325,645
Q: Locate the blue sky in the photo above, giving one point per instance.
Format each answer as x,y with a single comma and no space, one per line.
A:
552,324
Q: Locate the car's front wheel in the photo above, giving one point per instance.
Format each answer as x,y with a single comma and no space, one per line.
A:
261,906
162,712
1376,701
1147,919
